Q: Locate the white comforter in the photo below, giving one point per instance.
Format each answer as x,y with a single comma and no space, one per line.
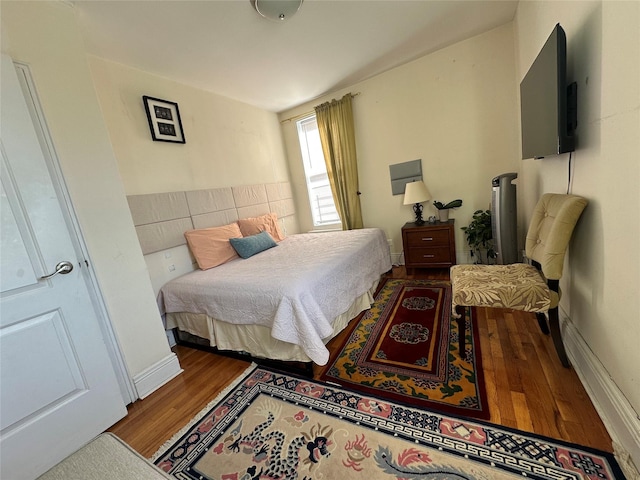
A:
297,288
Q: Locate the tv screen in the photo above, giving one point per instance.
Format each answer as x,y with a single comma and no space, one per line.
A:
547,103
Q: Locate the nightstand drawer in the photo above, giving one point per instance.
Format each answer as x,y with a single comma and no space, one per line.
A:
416,256
428,238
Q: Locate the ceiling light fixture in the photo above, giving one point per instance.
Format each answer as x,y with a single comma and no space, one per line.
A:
276,9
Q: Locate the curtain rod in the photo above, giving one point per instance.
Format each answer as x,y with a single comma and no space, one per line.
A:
306,114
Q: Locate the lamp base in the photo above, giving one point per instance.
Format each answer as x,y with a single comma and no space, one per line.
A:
417,209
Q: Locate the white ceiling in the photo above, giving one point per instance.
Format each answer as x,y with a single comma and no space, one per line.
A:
225,47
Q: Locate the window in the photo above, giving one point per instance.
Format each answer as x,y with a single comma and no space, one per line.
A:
323,209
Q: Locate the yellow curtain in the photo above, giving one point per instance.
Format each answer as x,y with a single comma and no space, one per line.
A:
337,135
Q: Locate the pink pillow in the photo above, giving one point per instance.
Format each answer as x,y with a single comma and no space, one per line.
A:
264,223
211,246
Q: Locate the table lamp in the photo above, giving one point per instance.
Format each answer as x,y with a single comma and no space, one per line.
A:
415,193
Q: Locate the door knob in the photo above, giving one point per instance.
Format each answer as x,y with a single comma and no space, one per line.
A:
62,268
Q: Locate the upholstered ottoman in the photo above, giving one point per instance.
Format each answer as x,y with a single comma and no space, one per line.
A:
518,286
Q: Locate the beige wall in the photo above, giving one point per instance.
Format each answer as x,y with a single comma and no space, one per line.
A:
227,142
455,109
45,35
602,279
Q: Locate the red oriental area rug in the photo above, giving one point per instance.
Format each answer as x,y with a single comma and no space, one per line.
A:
271,425
405,349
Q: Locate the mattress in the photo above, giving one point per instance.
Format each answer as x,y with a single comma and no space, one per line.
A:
295,291
255,340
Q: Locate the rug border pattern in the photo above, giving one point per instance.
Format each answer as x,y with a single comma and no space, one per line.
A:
283,386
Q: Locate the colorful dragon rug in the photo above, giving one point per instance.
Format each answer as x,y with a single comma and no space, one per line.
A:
272,425
405,349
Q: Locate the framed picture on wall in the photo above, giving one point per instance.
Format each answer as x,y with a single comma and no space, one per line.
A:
164,120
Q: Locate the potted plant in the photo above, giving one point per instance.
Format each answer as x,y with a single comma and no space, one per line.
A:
443,209
480,237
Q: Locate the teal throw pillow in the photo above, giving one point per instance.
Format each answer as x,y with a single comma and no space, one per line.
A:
248,246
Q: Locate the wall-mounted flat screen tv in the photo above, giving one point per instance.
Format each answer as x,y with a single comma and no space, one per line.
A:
547,103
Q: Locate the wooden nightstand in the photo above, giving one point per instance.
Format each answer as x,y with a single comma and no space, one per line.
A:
431,245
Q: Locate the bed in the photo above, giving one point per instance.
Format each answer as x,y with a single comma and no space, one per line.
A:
284,303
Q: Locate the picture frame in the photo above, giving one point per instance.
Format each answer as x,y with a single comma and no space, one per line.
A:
164,120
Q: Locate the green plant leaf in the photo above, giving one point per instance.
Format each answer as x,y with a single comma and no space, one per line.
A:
479,235
452,204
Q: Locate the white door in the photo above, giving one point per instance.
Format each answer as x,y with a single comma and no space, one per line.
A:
58,388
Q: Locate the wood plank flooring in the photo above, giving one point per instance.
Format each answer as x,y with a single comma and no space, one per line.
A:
527,387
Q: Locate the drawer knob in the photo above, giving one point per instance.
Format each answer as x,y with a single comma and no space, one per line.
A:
427,239
428,256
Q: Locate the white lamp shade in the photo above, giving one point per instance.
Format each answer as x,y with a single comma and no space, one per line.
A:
416,192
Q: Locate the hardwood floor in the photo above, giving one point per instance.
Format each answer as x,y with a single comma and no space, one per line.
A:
527,387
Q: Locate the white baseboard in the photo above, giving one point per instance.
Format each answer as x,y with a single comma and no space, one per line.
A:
157,375
619,418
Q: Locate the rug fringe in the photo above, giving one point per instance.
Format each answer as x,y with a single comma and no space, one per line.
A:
203,412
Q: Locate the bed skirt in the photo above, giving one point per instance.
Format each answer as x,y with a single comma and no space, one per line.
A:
256,340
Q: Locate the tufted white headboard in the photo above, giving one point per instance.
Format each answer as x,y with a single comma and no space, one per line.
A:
161,219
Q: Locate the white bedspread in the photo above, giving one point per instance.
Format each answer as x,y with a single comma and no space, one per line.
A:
297,288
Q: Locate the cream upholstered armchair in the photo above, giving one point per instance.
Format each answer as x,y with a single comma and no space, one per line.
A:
532,288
